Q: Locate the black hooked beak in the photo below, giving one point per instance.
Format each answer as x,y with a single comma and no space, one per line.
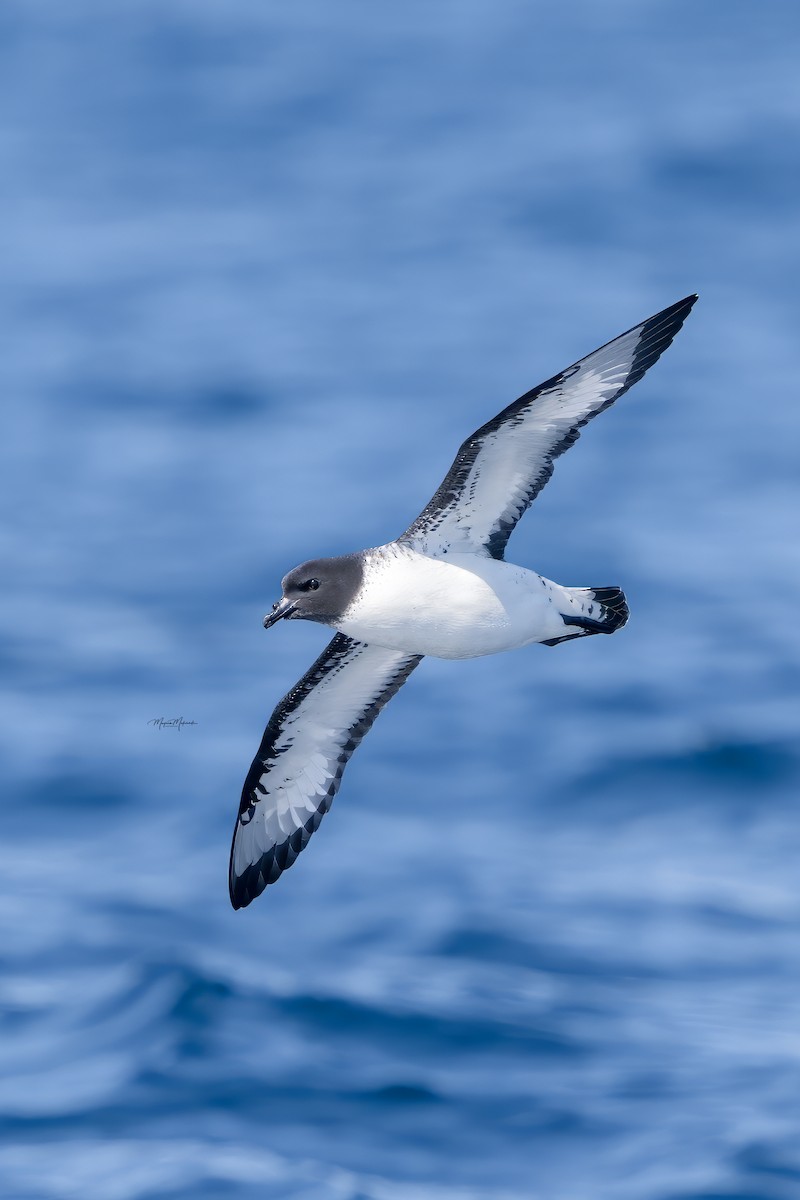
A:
282,608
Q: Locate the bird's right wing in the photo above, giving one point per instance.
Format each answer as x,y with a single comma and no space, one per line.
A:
306,746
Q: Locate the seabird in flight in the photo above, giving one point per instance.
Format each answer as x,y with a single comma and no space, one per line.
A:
443,588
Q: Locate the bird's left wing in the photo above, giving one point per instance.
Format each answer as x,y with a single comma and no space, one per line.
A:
502,467
305,748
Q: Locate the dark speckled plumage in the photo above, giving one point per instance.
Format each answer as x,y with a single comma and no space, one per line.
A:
465,475
496,475
340,652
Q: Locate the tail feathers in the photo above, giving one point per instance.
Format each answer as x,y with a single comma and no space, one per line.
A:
598,610
616,606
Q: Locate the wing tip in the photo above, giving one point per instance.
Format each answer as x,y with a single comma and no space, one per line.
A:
245,888
671,318
238,889
679,311
656,335
246,885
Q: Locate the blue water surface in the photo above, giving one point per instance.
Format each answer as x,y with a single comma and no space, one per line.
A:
264,267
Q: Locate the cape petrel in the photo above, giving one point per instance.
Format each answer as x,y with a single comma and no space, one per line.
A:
442,588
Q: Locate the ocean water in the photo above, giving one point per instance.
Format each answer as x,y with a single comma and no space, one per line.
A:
264,267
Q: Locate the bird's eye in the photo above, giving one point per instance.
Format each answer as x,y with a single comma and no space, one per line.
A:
312,585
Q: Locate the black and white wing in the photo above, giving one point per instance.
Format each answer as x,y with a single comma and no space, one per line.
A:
303,753
500,470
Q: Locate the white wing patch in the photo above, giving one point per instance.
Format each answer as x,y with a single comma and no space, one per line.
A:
306,746
503,466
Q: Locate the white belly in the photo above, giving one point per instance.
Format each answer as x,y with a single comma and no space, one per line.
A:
462,606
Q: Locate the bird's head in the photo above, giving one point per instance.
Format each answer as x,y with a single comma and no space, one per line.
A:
318,590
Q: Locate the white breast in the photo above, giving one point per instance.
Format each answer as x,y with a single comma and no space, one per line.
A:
462,606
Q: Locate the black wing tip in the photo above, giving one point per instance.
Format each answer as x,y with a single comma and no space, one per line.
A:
247,887
670,319
656,335
243,889
686,303
240,899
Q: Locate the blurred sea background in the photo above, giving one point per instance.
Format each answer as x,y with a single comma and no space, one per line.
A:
264,267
